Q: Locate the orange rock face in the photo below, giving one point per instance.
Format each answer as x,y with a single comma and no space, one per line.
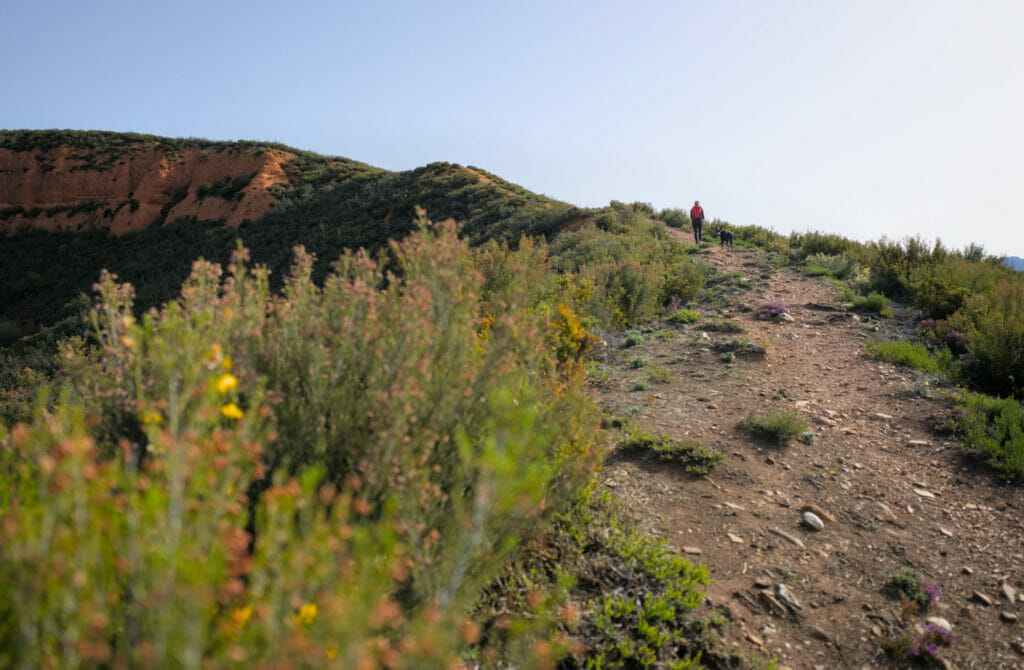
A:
65,189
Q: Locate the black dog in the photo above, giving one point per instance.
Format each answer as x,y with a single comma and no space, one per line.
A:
725,238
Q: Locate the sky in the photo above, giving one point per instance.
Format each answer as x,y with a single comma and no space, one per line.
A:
857,117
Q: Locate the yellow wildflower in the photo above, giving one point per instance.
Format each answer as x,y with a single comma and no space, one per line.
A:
152,417
227,363
332,651
240,615
226,382
306,614
232,411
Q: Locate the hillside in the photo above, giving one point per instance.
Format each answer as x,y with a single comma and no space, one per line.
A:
145,207
601,446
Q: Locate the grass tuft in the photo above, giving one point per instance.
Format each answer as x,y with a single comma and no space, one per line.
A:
695,458
779,426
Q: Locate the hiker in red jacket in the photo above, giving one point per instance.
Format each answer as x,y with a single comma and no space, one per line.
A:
697,217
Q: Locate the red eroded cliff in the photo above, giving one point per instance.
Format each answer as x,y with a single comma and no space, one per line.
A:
64,188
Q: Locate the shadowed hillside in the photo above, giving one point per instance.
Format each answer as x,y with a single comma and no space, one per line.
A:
144,207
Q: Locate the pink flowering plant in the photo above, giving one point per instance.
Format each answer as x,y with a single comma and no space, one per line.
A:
770,310
921,646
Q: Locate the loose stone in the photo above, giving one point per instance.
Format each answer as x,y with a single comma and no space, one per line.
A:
982,598
812,520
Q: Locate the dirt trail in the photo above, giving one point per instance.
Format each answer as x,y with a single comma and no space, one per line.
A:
899,494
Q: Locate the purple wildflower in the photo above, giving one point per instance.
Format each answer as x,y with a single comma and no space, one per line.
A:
932,591
771,309
956,341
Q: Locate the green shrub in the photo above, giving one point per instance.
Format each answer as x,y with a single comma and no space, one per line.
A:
609,223
631,598
911,586
940,289
659,374
761,238
993,428
632,338
994,324
596,373
288,480
777,425
675,218
637,362
913,355
724,326
873,302
681,316
690,454
839,266
641,385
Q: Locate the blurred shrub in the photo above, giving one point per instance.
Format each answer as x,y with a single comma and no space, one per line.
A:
325,478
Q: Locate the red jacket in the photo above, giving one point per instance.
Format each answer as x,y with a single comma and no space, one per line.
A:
697,212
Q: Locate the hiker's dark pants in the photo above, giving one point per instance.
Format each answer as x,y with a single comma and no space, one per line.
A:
698,230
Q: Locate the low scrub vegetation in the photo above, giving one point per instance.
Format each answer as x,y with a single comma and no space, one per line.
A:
322,478
694,458
779,425
993,428
873,302
914,355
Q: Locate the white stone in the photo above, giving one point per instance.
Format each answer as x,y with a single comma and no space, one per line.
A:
812,520
940,622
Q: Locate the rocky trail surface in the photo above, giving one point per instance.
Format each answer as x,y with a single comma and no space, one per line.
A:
891,493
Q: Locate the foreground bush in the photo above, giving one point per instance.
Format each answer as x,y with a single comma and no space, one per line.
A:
325,478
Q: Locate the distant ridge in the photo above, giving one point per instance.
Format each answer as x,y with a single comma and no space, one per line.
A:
1015,262
145,207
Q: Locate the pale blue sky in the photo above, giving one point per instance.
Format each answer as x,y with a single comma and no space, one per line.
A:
860,117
